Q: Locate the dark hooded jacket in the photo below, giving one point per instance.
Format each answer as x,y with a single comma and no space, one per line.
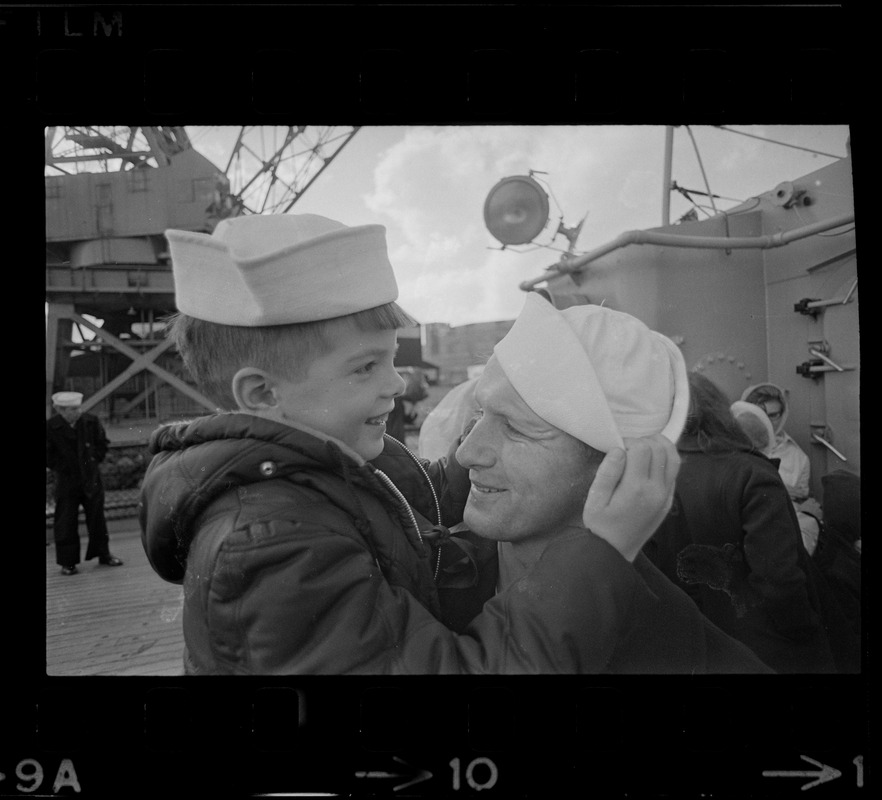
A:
733,542
298,557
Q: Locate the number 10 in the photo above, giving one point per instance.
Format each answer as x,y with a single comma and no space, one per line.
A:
470,774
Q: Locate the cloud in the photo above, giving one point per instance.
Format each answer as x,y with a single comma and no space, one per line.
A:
640,190
487,292
429,189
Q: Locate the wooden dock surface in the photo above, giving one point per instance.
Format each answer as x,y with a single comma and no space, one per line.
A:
113,620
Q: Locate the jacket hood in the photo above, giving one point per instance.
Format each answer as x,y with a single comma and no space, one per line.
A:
752,393
196,462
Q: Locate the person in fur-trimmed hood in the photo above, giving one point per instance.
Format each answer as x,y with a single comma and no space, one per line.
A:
793,463
310,542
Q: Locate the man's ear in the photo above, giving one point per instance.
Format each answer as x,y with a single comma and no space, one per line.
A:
254,390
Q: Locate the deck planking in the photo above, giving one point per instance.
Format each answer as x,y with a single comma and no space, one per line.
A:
113,620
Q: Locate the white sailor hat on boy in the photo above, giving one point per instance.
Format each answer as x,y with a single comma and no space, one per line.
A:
595,373
277,269
67,399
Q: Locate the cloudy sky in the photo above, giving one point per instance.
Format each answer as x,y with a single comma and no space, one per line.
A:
428,185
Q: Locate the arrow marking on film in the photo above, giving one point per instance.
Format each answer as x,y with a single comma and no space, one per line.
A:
376,774
423,775
827,773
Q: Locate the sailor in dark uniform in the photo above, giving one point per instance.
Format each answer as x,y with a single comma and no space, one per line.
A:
75,445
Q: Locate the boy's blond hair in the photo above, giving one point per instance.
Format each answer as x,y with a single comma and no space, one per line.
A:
212,353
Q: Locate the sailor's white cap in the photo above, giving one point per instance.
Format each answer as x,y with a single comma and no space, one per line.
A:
276,269
67,399
595,373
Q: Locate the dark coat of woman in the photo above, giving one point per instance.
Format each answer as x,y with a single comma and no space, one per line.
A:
732,542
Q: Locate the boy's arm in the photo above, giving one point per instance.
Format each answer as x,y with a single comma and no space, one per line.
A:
584,609
669,629
312,601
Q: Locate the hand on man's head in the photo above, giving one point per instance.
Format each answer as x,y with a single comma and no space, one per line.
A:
632,493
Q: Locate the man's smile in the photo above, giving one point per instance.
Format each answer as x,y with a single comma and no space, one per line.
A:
481,488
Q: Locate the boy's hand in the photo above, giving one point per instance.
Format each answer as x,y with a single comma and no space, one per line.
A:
632,493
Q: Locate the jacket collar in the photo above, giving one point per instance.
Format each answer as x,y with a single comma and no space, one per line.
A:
56,421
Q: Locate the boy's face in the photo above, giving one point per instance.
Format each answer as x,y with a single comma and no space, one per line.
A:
529,479
349,391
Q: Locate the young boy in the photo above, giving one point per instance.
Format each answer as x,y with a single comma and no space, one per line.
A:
284,515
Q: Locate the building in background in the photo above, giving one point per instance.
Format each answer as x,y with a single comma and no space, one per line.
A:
410,353
456,349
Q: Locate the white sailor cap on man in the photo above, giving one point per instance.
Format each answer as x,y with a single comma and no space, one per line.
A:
277,269
67,399
595,373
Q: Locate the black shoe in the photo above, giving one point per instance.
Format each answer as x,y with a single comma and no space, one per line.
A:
69,570
110,561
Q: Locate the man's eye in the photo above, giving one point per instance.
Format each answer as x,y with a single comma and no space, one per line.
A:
475,418
366,368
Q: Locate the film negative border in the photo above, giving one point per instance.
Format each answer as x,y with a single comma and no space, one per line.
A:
426,737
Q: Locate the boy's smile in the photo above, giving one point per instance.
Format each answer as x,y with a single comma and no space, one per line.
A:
349,391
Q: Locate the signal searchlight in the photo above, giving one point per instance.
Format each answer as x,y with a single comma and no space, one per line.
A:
516,210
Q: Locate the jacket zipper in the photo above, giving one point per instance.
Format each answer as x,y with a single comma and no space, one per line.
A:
400,497
431,488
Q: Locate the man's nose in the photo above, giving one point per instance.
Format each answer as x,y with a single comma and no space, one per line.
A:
475,449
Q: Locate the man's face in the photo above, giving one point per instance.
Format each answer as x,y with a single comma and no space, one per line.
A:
529,479
349,391
68,414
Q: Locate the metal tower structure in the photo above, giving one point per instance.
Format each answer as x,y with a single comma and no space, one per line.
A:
269,168
111,192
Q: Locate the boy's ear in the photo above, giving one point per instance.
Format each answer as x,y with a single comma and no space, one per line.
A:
253,390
